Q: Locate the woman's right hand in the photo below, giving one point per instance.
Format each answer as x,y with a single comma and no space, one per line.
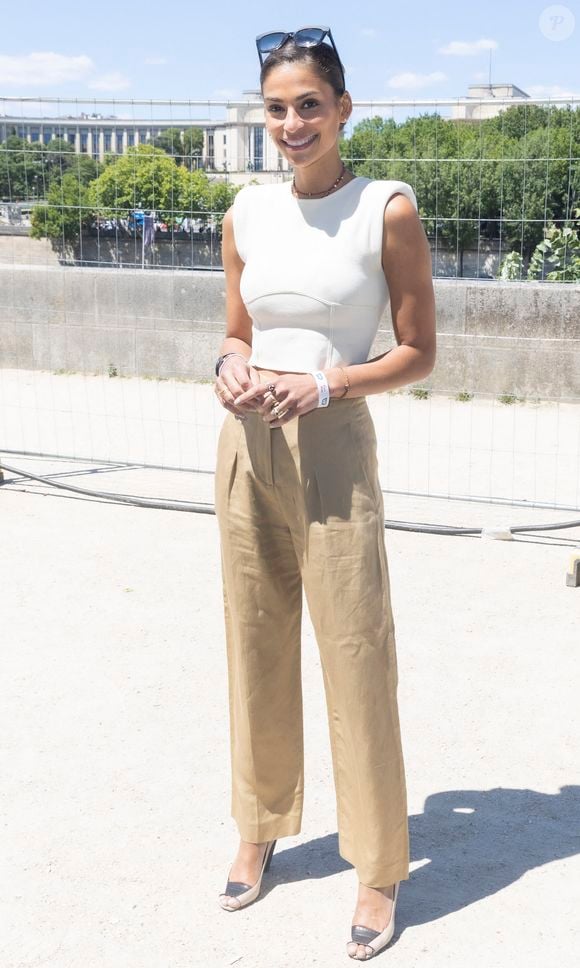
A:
236,375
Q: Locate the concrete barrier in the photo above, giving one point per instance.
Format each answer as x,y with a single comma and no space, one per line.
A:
493,337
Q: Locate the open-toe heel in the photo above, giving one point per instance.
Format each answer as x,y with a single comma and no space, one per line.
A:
244,894
375,940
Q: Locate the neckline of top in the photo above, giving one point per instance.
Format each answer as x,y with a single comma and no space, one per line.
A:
324,197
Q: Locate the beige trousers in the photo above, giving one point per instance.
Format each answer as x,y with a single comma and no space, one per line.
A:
301,506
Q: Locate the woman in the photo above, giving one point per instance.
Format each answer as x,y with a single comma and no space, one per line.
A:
309,268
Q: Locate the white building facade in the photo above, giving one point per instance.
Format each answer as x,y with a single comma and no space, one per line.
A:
237,147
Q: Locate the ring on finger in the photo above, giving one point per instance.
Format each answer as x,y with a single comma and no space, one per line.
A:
278,412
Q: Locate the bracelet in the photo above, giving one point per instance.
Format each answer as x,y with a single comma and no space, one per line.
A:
346,383
222,360
322,385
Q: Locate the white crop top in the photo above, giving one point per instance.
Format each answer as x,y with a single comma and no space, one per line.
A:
313,282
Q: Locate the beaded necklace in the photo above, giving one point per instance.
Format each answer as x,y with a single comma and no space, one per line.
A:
328,190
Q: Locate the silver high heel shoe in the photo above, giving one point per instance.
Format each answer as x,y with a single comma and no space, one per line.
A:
375,940
246,893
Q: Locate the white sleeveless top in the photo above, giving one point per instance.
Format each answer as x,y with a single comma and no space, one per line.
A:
313,282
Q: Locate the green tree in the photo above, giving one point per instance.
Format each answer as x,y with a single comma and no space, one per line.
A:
143,177
66,212
171,142
28,169
192,147
59,157
557,257
22,174
183,149
147,177
503,178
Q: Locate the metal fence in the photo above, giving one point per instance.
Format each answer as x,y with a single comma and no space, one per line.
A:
498,186
497,179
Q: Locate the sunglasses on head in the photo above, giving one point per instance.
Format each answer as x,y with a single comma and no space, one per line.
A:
303,37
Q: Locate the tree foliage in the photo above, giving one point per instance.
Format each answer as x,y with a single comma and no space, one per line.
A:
66,212
556,258
143,178
28,169
502,178
183,149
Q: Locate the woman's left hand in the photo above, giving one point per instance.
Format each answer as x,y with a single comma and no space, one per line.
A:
294,393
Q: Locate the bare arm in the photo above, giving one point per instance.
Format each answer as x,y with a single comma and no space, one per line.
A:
235,374
406,261
238,336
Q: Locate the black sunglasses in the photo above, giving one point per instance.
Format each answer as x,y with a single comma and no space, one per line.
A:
303,37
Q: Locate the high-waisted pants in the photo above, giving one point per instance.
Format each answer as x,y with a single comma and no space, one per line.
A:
301,506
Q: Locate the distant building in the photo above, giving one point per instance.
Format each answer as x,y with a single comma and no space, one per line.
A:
237,147
479,102
91,134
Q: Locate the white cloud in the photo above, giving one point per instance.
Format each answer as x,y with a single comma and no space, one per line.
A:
43,68
156,61
480,76
114,81
225,93
46,69
550,90
409,80
369,32
468,48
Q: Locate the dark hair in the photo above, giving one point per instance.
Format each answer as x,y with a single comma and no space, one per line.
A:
322,58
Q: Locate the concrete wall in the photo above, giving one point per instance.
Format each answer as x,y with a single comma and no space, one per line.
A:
16,248
493,337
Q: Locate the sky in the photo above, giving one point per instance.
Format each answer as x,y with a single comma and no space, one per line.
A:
188,50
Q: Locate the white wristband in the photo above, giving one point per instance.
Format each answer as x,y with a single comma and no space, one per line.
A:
323,390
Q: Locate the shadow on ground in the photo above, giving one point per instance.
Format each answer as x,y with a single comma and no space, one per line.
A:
472,843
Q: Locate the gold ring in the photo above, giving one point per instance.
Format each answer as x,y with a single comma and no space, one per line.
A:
272,389
279,413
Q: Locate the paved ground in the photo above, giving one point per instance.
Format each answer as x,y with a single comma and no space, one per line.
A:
520,451
115,793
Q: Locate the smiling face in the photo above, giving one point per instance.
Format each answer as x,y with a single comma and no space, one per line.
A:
303,113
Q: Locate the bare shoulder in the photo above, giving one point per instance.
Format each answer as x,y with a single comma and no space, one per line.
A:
230,255
406,250
402,227
228,219
400,213
228,223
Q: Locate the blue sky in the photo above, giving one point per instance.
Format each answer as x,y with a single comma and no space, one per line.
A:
178,49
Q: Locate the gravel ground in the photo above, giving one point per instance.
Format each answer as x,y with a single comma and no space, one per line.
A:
115,793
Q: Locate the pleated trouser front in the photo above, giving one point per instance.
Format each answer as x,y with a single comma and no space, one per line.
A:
301,506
